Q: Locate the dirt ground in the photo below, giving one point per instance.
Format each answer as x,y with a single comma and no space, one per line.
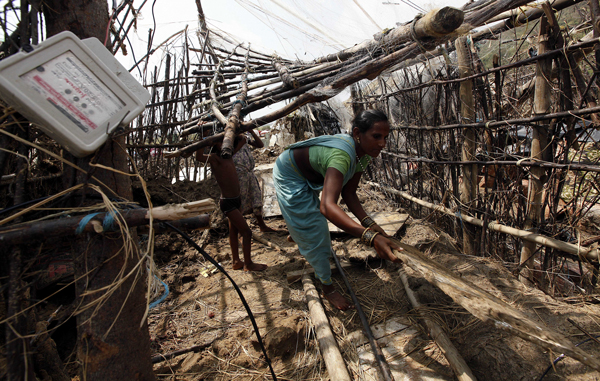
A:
204,311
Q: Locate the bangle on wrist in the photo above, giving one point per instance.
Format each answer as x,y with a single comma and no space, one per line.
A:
367,222
373,239
368,237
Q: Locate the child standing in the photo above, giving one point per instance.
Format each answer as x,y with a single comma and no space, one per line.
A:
224,172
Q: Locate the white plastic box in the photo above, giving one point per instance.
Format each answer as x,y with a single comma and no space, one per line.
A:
74,90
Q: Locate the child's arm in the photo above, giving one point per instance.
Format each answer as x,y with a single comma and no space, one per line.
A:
240,143
201,156
256,141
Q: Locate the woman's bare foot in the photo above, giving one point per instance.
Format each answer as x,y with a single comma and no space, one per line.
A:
238,265
335,298
290,239
254,267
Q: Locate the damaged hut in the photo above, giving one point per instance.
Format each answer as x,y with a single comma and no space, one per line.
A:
115,263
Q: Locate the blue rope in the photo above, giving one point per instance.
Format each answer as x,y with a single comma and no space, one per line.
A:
457,214
109,221
238,101
163,297
84,221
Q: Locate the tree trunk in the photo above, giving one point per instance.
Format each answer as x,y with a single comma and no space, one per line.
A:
113,344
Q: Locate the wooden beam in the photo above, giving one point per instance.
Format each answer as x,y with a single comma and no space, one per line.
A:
457,363
468,187
489,308
104,222
336,367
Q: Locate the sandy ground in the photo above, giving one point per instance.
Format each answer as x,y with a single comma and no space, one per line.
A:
204,310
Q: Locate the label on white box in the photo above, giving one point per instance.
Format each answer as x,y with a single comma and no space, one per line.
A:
70,87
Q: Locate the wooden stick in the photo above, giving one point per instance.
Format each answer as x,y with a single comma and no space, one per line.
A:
457,363
171,212
569,165
196,348
531,60
233,122
583,252
187,224
436,23
336,367
262,240
468,187
290,81
539,143
489,308
17,234
508,122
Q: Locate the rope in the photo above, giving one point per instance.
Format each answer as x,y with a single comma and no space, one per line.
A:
413,33
238,101
109,220
163,296
84,221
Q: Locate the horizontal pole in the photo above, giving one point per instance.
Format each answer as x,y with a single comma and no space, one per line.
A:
27,232
580,251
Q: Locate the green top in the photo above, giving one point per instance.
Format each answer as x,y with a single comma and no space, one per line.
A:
321,158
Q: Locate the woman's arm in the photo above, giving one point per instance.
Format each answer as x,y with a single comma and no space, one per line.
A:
332,188
240,144
201,156
351,199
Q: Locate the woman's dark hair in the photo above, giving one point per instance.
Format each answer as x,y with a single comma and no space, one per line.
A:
365,120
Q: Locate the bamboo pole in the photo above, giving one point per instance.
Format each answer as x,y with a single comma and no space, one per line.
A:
489,308
233,122
336,367
457,363
542,105
468,186
435,24
569,165
574,50
104,222
585,253
289,80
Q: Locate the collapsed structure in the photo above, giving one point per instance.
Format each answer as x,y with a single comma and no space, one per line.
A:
500,147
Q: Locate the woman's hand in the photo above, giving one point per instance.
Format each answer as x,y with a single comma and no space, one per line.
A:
380,230
384,247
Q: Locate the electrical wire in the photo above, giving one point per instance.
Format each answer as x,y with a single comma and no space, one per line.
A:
235,286
562,356
413,5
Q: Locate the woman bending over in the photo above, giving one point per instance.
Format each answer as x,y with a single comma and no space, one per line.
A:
332,164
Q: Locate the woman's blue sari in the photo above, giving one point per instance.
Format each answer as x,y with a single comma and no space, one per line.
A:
299,202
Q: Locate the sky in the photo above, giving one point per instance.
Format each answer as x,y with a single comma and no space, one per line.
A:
293,29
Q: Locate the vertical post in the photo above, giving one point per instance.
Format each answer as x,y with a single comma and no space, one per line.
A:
595,8
467,112
538,145
19,364
165,112
113,342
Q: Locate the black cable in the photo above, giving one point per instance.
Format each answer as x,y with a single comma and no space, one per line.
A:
221,269
562,356
23,204
383,365
209,258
